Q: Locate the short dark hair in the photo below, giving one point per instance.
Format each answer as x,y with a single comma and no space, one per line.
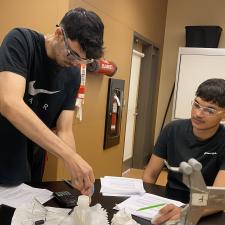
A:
87,28
212,90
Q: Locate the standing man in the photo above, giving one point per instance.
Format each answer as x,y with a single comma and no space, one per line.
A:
39,80
202,137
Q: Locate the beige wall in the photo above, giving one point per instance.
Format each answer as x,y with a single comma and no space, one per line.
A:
121,19
41,15
181,13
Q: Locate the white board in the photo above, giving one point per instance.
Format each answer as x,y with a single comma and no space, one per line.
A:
194,66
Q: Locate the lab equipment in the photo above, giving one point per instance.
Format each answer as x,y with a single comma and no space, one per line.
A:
86,215
201,196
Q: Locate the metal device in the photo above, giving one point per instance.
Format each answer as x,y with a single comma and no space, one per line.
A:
201,196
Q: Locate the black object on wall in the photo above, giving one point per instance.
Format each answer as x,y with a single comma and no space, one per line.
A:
113,112
203,36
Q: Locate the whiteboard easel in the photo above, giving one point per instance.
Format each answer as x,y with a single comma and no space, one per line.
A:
194,66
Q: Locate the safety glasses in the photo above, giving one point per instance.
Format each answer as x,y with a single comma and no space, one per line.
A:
73,55
208,111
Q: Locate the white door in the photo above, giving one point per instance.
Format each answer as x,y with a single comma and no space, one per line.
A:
132,103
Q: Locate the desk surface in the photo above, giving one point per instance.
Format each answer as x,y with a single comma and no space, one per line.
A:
109,202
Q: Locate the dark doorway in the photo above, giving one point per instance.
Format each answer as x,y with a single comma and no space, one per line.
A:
143,140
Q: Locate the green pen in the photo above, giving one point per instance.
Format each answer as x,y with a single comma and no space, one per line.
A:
151,206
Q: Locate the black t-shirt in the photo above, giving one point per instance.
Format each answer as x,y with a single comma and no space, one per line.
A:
50,89
177,143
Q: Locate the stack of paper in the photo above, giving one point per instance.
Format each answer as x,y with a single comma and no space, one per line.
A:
121,186
17,195
145,206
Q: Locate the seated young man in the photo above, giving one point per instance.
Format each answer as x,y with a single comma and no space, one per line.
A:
202,137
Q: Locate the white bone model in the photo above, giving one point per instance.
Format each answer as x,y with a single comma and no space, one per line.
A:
96,215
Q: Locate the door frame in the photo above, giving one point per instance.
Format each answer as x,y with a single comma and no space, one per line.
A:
146,108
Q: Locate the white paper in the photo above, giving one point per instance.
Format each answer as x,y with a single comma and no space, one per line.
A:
118,195
18,195
121,186
132,204
23,216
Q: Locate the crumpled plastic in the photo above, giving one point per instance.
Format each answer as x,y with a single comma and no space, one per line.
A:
123,218
97,216
86,215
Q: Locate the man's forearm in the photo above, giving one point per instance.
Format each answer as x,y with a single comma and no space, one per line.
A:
26,121
208,212
149,177
68,138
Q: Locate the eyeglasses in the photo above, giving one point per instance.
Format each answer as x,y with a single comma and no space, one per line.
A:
73,55
205,110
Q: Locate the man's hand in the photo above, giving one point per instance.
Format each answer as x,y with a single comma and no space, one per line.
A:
82,176
169,212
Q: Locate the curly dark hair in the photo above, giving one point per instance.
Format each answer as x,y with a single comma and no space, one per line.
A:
87,28
212,90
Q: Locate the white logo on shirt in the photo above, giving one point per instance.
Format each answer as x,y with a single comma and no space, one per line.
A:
210,153
45,106
32,91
